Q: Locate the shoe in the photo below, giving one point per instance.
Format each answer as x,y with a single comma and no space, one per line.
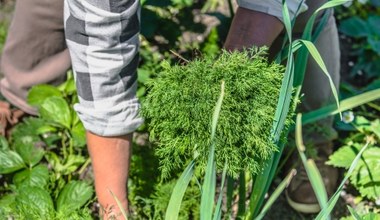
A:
8,117
300,194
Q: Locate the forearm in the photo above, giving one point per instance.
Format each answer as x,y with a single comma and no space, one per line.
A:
252,28
110,160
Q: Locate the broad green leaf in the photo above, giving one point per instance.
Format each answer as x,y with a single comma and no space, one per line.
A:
178,192
78,134
3,143
74,195
371,216
75,117
375,127
38,94
374,24
10,161
46,129
277,192
344,156
68,87
374,42
354,27
29,150
72,163
143,75
57,110
28,127
362,124
35,201
37,176
7,203
366,176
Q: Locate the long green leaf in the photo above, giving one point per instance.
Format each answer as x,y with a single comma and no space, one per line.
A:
331,4
286,87
179,190
277,192
302,56
354,214
123,212
216,114
242,195
333,200
259,190
287,21
262,181
310,167
317,57
208,188
218,208
345,105
230,194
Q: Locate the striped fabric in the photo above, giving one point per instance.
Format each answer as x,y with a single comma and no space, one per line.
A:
273,7
103,39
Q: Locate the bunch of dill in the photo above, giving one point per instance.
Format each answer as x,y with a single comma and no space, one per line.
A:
181,101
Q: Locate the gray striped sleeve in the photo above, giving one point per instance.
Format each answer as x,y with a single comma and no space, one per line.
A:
103,39
273,7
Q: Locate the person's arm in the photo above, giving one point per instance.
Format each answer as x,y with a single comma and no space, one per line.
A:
259,22
103,39
110,161
252,28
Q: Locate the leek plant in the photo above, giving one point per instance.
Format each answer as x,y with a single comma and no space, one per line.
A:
248,128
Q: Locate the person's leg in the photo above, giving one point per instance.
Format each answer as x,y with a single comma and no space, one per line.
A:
35,50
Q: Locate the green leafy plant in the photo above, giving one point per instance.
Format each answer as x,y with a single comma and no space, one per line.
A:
365,176
42,161
180,99
362,214
315,177
366,32
154,208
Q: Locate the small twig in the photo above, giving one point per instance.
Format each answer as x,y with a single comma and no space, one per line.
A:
179,56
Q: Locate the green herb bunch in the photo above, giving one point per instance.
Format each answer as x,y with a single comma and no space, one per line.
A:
181,100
